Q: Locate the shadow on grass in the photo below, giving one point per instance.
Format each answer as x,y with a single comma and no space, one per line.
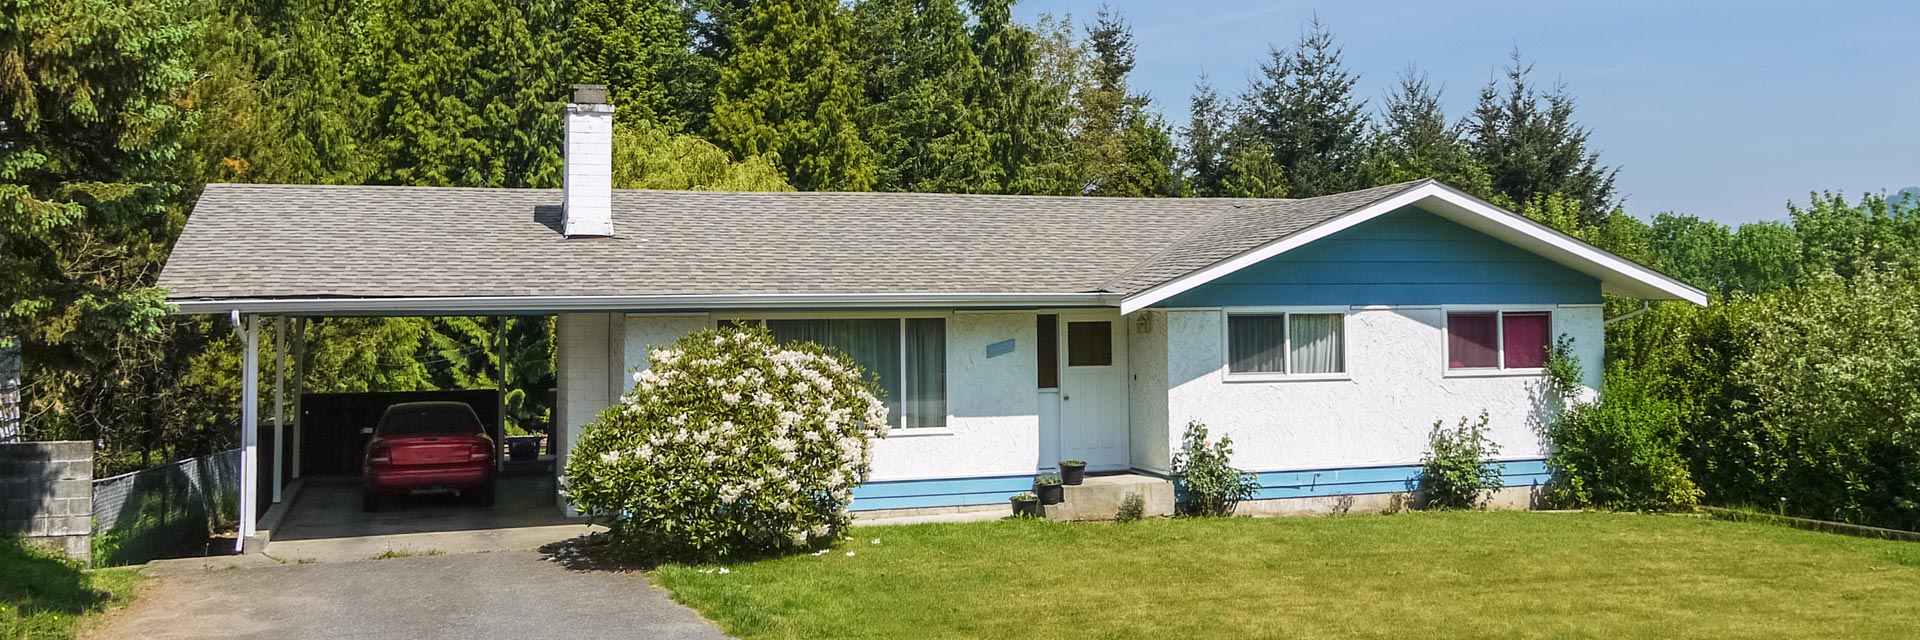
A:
44,595
606,552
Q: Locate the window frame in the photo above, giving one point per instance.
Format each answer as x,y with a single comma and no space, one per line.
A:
721,320
1227,374
1499,312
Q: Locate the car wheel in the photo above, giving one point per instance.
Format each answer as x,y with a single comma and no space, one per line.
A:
370,501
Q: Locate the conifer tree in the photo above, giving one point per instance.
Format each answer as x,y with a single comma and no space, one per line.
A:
790,89
1303,107
1531,146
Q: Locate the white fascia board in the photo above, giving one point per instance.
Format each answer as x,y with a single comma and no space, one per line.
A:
1616,274
542,305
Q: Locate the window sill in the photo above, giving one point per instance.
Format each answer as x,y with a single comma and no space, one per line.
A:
1236,378
919,432
1495,373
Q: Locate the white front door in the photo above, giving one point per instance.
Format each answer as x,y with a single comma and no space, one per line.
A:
1093,389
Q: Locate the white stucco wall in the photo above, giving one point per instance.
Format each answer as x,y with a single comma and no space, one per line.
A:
992,405
1381,415
1146,392
586,365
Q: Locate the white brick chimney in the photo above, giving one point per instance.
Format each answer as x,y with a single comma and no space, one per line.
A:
588,190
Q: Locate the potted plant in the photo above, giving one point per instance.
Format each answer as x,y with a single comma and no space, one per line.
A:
1073,471
1048,486
1026,505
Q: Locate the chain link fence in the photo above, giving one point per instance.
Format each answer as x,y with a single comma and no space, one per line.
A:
172,510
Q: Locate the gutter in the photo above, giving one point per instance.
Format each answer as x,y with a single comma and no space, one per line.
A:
542,305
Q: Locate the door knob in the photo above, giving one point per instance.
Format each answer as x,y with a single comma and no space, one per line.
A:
1065,397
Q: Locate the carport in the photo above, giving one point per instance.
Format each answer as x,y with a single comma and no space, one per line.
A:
299,486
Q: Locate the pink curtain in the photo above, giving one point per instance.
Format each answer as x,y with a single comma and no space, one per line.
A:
1526,339
1472,341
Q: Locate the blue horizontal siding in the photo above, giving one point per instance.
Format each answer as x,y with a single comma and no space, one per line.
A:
957,492
961,492
1310,483
1404,257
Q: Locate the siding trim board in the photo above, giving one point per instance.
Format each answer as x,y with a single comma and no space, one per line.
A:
1304,483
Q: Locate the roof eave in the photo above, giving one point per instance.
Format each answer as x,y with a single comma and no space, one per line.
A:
543,305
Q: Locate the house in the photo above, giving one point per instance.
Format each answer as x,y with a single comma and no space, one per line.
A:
1325,335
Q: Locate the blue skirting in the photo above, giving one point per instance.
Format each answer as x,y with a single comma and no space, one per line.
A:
959,492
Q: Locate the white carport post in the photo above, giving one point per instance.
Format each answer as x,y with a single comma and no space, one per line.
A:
299,390
249,430
279,403
500,415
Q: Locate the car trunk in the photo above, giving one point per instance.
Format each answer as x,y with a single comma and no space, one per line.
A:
417,450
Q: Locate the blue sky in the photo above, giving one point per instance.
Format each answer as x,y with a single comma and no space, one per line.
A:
1725,110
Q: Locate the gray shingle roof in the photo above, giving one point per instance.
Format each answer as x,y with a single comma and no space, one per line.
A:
288,241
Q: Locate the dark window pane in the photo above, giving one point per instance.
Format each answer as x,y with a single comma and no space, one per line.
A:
429,420
1525,339
1473,341
926,378
1089,344
1047,350
1256,344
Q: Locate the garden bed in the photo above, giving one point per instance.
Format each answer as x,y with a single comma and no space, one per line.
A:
1460,574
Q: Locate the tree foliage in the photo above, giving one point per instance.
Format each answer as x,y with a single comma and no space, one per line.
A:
791,90
1302,105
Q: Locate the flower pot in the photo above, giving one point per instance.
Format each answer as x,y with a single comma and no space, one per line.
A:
1026,508
1073,474
1050,493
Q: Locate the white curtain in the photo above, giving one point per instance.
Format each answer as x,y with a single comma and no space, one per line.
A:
1318,342
872,343
926,377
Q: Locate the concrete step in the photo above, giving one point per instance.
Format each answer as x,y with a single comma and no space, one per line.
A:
1099,497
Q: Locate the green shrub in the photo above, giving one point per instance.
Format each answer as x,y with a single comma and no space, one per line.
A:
729,445
1621,452
1207,483
1046,479
1132,508
1457,473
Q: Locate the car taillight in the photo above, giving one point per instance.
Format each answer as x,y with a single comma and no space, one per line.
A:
379,455
481,451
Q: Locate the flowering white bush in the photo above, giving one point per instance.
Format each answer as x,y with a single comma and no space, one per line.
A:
728,444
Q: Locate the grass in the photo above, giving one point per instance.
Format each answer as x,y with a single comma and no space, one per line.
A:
1459,574
44,596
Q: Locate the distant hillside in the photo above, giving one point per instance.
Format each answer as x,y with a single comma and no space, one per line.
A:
1909,192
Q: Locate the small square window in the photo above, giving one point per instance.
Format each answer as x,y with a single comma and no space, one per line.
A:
1523,339
1089,344
1473,340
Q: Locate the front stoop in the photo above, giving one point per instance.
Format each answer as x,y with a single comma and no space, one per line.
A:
1099,497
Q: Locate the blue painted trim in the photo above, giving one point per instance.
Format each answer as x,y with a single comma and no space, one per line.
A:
1408,256
956,492
1309,483
960,492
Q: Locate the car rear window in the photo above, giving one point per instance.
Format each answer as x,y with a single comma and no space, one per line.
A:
446,419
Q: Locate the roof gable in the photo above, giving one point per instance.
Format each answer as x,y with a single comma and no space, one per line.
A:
1617,275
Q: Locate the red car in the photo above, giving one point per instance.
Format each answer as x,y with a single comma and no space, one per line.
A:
429,446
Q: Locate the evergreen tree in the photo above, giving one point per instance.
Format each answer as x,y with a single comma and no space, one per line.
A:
464,93
1530,145
1302,104
92,119
641,50
1027,99
924,121
790,89
1123,148
1414,141
1203,156
646,156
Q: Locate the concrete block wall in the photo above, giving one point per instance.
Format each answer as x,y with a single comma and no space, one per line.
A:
46,494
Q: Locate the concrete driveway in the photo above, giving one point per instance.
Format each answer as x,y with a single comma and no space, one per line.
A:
507,594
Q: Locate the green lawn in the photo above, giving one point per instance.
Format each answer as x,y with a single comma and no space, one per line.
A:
43,596
1462,574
